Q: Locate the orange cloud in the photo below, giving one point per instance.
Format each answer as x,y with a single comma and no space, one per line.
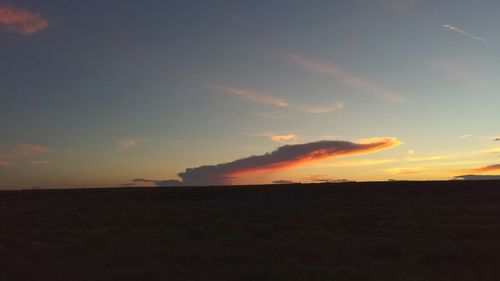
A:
284,157
26,148
361,162
21,21
3,163
255,96
484,169
318,154
337,73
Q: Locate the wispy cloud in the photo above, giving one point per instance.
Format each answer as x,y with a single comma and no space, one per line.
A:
264,98
287,137
324,109
464,136
31,148
497,139
21,21
23,150
361,162
493,150
404,171
285,157
423,159
334,71
284,138
126,144
461,31
484,169
254,96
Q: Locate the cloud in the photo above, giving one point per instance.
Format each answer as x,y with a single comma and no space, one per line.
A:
284,138
337,73
464,136
126,144
411,157
21,21
41,162
284,157
484,169
404,171
27,148
255,96
324,179
361,162
283,182
456,29
421,159
159,183
324,109
477,177
24,150
497,139
266,99
493,150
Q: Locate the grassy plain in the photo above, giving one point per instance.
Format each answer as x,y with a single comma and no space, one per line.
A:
347,231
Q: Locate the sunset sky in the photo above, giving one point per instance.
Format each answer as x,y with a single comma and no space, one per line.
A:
132,93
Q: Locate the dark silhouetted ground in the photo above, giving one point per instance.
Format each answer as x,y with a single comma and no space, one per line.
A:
350,231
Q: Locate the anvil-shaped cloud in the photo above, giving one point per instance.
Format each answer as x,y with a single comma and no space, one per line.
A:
284,157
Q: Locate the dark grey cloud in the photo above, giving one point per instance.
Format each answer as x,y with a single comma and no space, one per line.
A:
324,179
283,182
284,157
159,183
478,177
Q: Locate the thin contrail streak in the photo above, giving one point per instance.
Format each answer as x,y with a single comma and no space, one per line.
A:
456,29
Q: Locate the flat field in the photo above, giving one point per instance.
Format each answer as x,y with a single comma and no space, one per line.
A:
350,231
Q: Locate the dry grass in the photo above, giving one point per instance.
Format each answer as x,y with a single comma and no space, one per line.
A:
350,231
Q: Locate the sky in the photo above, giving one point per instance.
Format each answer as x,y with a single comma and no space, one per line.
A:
152,93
